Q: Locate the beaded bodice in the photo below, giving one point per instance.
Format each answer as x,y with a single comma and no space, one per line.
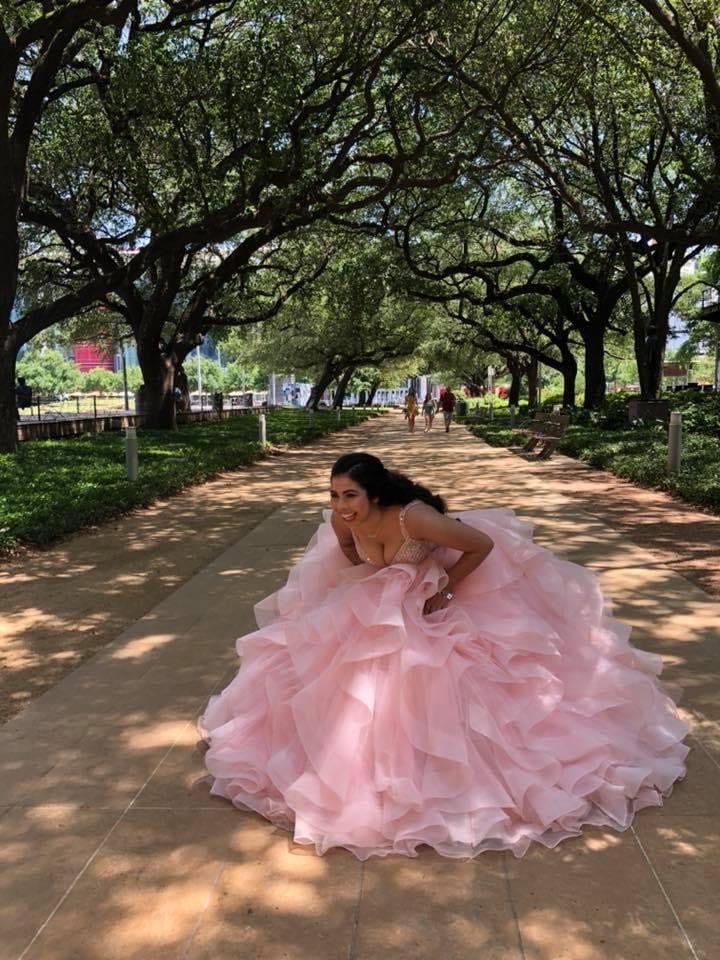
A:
410,551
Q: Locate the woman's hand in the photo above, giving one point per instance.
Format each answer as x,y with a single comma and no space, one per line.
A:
437,602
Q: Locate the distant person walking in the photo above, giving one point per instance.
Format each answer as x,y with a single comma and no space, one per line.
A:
428,412
411,409
447,405
23,395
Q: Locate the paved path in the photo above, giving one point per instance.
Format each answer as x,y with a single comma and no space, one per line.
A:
111,848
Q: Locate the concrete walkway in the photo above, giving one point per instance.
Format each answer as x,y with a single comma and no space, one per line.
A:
110,846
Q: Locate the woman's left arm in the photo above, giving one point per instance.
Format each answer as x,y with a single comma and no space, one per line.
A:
425,523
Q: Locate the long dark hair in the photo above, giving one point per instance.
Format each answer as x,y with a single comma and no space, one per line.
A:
388,486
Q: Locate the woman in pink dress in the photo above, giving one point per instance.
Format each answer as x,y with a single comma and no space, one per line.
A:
420,680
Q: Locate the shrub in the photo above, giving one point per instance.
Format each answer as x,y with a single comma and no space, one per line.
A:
700,411
53,487
638,455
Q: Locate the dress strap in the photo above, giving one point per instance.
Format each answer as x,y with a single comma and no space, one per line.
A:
360,552
401,517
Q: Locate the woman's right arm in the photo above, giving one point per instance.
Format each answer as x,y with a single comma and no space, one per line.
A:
345,539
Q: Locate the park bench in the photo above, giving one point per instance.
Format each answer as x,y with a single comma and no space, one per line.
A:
545,431
547,434
533,429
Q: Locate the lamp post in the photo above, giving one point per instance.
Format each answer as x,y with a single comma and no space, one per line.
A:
199,376
124,373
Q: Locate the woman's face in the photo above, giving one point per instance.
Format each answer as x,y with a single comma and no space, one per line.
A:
349,500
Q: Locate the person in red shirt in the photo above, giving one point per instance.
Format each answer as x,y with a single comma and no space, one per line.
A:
447,405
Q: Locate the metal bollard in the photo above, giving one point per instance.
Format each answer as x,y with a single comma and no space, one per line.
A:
131,454
262,430
674,442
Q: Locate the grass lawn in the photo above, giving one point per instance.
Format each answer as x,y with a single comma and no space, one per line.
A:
637,454
50,488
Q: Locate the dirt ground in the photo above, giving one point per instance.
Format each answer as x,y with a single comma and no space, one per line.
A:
61,605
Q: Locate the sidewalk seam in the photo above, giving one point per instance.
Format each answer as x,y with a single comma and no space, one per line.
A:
698,743
356,914
511,903
110,832
665,894
97,850
186,952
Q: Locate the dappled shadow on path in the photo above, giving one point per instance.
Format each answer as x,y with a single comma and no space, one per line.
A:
684,537
107,828
62,605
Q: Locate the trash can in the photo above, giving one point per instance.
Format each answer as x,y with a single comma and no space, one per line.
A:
217,403
462,408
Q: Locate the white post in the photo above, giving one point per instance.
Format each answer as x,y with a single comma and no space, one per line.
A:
674,442
131,454
262,430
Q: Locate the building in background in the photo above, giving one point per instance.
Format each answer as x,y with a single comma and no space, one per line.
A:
90,356
131,357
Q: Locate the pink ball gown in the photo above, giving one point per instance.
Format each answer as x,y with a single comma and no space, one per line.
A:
518,713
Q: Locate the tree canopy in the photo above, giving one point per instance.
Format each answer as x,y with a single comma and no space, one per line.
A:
535,176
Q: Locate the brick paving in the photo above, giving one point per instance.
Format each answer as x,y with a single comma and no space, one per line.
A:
112,848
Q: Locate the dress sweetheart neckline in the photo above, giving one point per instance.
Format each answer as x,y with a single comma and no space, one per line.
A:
406,542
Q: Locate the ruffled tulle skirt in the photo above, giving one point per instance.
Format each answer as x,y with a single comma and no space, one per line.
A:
519,713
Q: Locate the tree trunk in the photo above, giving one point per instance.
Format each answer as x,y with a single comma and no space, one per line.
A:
649,351
532,379
9,252
656,341
326,377
651,337
595,380
342,388
639,330
181,384
373,391
569,373
8,410
515,371
158,372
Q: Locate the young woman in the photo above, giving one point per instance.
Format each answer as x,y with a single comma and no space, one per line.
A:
420,680
428,412
411,409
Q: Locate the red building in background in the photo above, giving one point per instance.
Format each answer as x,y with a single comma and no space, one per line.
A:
88,356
